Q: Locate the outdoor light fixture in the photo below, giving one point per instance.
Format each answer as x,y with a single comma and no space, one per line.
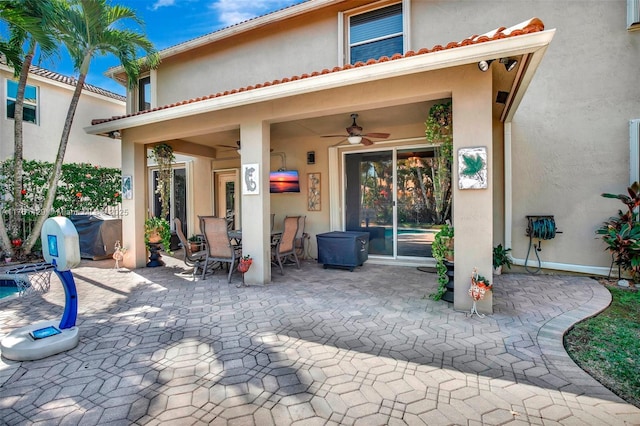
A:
115,134
484,65
509,64
354,139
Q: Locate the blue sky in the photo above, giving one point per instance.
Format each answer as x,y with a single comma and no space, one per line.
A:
170,22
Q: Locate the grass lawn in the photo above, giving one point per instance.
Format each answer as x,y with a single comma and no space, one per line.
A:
607,346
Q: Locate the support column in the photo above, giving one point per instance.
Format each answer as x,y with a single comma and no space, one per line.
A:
134,211
473,208
256,202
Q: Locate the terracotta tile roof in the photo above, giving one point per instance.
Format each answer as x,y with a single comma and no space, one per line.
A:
51,75
72,82
532,26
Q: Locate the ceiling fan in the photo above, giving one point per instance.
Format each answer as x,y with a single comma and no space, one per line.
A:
237,147
355,136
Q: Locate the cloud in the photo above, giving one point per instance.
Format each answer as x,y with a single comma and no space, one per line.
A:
162,3
231,12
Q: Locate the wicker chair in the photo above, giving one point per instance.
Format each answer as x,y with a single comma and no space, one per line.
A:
191,259
286,247
220,251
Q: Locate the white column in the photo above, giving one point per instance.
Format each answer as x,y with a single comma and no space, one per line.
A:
473,208
134,210
256,202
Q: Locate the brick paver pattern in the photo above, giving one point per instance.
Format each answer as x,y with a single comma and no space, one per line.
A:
314,347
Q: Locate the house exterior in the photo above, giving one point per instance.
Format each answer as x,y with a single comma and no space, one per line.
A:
47,98
554,127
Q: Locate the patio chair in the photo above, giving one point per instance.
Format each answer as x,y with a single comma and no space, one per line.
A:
286,247
301,236
194,259
220,251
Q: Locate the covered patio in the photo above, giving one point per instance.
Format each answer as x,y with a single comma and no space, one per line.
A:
314,347
291,116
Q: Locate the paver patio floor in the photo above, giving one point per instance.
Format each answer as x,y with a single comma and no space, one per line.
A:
313,347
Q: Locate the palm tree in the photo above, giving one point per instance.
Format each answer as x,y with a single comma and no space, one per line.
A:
89,28
29,25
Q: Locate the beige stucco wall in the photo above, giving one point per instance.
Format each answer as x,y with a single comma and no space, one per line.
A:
41,140
569,138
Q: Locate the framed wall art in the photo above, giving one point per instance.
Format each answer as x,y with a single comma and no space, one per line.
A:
251,179
313,192
127,188
472,168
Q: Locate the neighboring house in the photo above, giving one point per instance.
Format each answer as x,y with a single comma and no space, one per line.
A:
47,99
555,125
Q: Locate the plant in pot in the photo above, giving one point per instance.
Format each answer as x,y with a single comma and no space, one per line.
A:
501,257
441,248
157,230
195,243
621,233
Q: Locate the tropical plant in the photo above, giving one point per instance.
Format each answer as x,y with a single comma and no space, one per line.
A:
163,156
160,226
501,257
439,131
621,233
89,28
439,249
29,23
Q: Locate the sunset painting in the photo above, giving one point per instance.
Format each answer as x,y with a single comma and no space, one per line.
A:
284,181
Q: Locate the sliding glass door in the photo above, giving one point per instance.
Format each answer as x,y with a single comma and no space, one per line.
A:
395,196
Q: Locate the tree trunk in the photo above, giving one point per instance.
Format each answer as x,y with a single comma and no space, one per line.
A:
14,215
57,169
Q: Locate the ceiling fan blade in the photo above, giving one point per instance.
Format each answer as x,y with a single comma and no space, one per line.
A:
377,135
227,146
366,142
335,136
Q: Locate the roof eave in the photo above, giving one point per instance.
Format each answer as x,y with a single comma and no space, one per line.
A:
534,44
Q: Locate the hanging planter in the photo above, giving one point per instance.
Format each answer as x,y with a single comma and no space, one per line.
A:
245,264
163,156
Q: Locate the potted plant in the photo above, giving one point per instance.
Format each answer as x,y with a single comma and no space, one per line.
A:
501,257
621,233
195,243
442,250
480,285
245,263
157,230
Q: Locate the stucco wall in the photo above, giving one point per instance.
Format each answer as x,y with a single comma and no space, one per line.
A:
41,140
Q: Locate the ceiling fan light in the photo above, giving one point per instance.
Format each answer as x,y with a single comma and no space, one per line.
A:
354,139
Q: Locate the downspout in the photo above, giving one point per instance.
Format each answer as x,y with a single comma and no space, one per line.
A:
508,218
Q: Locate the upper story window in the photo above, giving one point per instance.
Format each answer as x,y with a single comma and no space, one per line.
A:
376,33
30,108
144,93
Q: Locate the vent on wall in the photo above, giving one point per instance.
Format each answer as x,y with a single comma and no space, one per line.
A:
633,15
634,154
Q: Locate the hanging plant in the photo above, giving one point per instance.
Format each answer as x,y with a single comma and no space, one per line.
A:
162,154
439,132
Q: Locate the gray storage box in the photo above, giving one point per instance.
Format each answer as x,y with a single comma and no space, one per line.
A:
346,249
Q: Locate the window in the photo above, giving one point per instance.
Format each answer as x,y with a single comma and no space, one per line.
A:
144,93
30,108
376,33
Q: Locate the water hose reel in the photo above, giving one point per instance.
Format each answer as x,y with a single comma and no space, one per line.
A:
540,227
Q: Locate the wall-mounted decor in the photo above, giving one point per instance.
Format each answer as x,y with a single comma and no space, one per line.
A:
472,168
127,188
313,194
251,179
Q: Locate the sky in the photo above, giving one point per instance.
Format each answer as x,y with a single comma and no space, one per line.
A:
167,23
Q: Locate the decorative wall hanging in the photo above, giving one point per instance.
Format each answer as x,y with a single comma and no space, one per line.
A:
313,194
127,188
472,168
251,179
